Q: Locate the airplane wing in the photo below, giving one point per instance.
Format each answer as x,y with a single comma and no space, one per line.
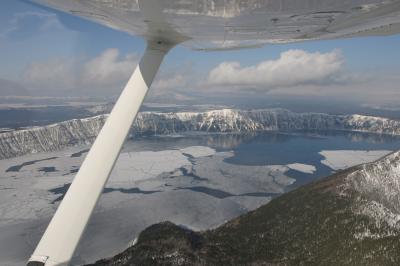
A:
200,25
232,24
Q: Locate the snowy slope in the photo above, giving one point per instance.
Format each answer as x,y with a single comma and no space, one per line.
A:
378,186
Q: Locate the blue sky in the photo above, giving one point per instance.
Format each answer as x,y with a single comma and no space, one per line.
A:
31,35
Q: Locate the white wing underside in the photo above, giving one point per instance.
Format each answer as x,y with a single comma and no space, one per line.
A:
230,24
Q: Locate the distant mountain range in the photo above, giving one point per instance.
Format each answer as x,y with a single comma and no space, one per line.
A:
349,218
83,131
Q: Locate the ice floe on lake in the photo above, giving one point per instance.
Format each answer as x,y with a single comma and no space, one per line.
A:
342,159
305,168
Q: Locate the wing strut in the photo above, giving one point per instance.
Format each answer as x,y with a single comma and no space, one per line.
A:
67,225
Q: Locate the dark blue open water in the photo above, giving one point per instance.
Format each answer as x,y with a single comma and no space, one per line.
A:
276,148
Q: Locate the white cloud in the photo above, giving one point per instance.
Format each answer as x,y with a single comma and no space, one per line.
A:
104,74
170,82
292,68
24,24
54,73
107,71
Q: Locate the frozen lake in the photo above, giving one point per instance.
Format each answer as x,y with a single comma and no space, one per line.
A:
196,180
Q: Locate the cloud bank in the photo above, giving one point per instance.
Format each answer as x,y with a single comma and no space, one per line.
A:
292,68
108,71
295,73
105,74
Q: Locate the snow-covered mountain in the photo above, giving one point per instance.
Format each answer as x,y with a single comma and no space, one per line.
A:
378,186
83,131
231,120
50,138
